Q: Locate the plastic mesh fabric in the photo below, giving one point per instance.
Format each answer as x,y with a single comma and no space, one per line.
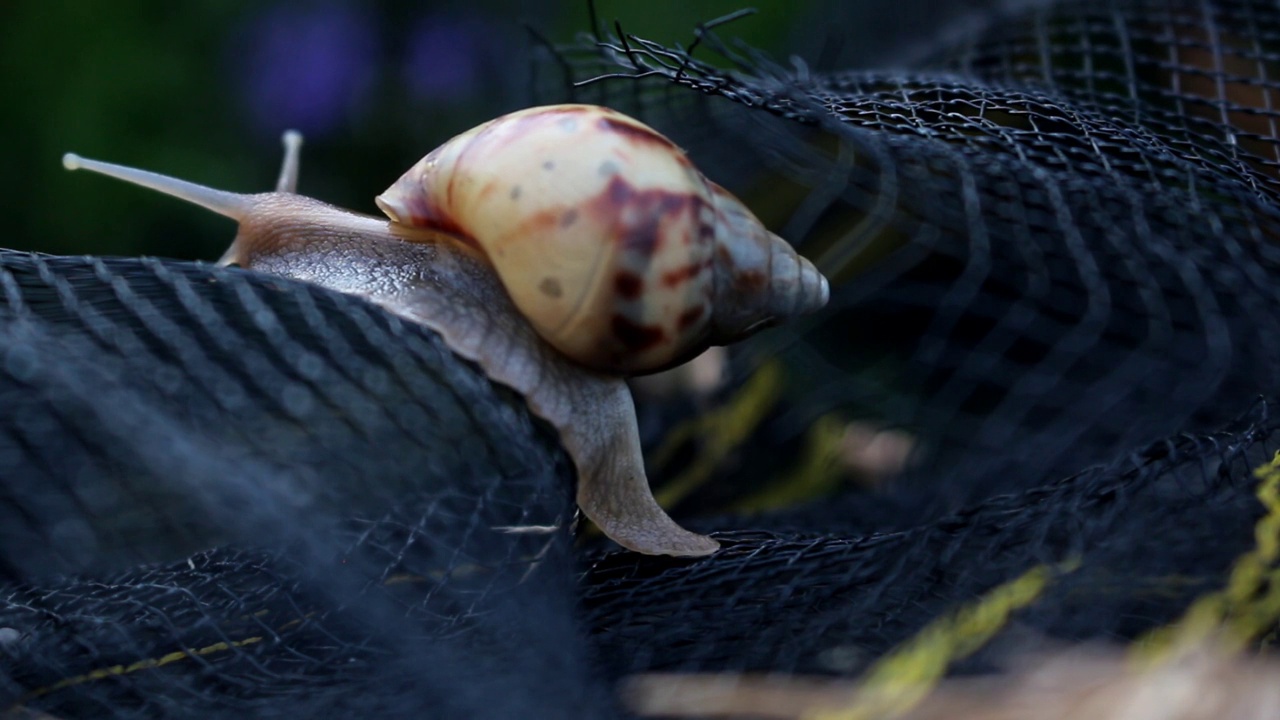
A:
1202,76
1046,253
1030,281
1053,257
368,488
1150,534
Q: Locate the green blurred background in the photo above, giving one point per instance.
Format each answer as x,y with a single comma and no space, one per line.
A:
202,90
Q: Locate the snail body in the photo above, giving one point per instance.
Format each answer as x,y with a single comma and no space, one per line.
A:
449,260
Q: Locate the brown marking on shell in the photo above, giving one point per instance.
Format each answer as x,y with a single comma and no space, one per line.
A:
453,176
443,223
706,228
635,337
618,192
424,212
628,285
690,317
637,132
750,280
551,287
682,275
546,220
652,207
644,237
746,281
512,125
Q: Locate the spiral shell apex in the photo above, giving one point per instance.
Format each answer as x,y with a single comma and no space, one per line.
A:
614,246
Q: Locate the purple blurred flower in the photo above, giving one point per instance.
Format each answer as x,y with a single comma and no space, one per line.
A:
305,67
447,57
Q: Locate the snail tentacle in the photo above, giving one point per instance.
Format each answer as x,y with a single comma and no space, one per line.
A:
289,167
236,206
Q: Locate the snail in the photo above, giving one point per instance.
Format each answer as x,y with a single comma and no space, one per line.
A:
560,248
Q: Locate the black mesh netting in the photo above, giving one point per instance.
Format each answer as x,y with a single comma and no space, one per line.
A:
1054,265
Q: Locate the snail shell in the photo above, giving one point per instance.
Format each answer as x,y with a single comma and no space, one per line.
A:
619,252
704,271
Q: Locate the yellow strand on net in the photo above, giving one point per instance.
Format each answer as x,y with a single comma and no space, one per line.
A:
154,662
901,679
1247,607
147,664
722,431
817,473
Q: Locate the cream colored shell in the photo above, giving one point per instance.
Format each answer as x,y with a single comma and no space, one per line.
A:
607,238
